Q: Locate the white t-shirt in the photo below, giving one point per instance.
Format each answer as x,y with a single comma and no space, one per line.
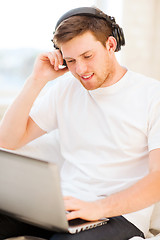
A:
105,134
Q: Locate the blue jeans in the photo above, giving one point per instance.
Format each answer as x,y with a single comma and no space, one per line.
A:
118,228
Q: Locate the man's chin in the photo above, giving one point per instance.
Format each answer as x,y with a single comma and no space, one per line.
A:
89,86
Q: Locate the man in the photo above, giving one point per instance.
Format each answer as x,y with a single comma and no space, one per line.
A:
109,124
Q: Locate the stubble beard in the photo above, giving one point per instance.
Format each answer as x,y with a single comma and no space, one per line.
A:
99,82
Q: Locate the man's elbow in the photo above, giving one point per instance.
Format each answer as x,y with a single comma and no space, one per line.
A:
7,144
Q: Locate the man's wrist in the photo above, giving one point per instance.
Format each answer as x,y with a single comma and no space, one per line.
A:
103,208
35,84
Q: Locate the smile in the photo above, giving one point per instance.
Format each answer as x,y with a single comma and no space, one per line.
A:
87,77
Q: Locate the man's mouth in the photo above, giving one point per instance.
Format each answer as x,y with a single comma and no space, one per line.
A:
87,77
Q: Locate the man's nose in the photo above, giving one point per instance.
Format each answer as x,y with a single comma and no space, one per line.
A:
81,68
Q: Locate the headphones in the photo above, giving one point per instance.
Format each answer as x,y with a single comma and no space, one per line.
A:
117,32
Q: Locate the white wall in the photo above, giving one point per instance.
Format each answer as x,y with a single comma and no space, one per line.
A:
141,21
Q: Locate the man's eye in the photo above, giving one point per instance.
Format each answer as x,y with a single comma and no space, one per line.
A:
88,56
70,61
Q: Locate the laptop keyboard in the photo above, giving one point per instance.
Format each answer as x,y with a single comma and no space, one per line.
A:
76,222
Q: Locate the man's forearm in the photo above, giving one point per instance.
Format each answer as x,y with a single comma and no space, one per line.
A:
14,124
141,195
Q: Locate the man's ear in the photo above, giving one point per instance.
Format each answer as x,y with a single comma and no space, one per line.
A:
111,44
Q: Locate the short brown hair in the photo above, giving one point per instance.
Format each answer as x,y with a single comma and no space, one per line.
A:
77,25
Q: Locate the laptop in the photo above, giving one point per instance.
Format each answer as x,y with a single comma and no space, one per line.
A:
30,191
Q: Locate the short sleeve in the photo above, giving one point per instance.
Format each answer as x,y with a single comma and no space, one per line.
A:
43,111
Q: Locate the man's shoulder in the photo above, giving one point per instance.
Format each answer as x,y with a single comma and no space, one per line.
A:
143,80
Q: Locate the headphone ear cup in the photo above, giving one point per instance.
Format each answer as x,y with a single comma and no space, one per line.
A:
119,36
116,36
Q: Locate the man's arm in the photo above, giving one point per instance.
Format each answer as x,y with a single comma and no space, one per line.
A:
17,128
141,195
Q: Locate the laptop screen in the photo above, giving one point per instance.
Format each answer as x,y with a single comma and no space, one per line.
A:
30,191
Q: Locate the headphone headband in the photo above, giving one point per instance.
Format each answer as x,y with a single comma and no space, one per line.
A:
84,11
117,32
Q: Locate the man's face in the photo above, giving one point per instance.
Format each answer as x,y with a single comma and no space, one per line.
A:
88,60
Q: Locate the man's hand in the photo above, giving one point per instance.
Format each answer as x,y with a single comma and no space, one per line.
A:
90,211
46,66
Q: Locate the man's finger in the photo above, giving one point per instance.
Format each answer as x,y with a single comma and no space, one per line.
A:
60,57
67,197
73,215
